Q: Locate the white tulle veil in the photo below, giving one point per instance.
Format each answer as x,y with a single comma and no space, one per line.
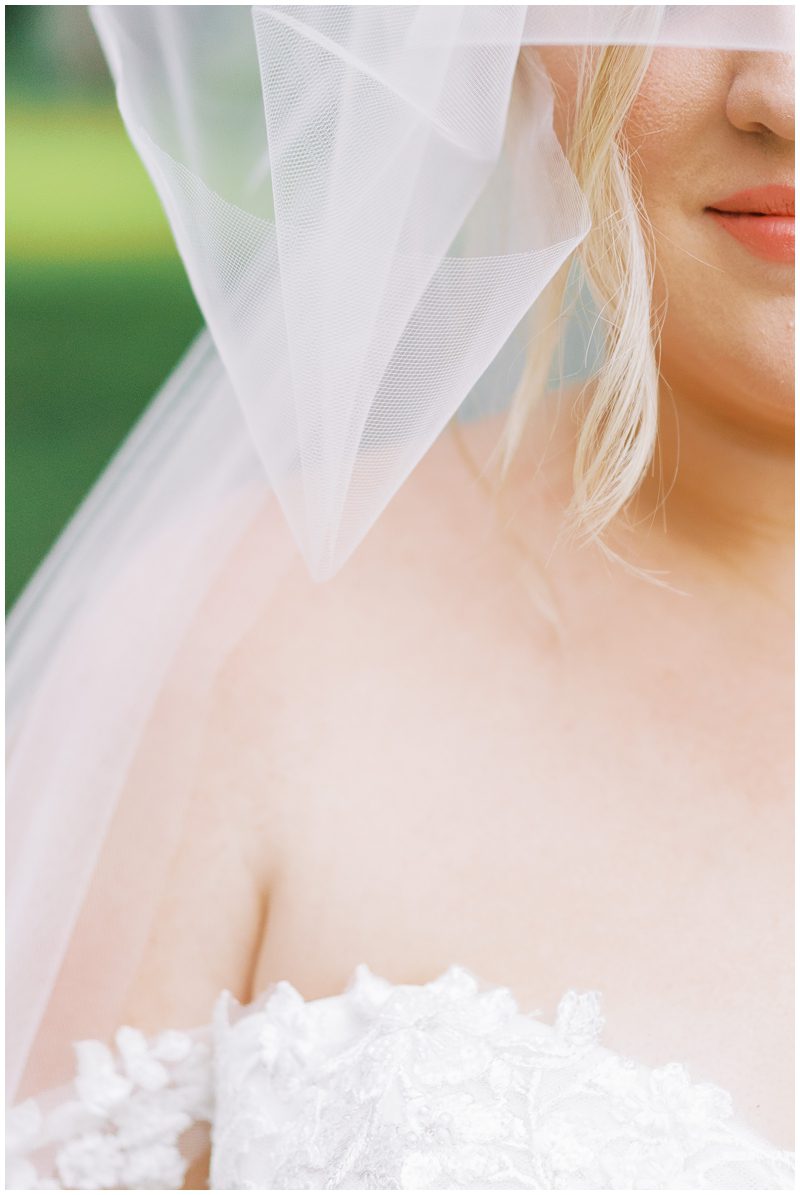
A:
363,241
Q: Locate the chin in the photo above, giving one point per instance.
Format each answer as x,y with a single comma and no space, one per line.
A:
727,341
735,390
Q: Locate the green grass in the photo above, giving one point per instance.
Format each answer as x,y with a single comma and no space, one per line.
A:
75,188
98,310
88,344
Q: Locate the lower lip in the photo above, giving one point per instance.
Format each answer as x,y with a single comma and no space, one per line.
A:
768,237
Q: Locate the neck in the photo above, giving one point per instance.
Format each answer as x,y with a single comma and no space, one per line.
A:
722,492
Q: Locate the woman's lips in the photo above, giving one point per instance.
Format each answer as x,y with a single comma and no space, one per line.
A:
761,219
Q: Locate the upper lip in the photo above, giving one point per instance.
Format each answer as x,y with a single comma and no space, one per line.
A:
773,200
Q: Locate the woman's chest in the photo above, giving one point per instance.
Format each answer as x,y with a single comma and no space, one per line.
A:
446,1085
694,965
614,815
591,844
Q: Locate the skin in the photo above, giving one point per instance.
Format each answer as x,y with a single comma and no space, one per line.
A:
639,841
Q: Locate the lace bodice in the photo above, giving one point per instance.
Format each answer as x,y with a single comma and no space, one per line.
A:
440,1085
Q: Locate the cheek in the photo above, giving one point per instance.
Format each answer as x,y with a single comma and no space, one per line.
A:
727,346
670,130
728,332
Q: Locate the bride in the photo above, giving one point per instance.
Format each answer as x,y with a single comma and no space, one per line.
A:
481,870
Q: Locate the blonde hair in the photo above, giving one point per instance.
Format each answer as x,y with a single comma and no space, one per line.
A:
619,421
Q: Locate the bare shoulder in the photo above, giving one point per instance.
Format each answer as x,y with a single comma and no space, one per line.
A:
441,538
433,583
441,543
429,544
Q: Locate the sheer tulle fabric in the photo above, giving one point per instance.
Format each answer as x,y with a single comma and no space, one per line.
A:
363,238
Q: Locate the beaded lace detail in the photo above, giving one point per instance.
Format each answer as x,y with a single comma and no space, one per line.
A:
441,1085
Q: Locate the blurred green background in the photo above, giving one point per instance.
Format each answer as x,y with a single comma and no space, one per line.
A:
98,308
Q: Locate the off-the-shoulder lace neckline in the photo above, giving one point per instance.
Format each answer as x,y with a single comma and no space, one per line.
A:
578,1014
455,981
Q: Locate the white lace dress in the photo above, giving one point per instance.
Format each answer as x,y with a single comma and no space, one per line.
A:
441,1085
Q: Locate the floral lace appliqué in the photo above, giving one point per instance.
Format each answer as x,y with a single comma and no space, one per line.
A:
118,1125
445,1085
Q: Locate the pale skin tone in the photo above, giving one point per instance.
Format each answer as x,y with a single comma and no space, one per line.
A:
432,775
